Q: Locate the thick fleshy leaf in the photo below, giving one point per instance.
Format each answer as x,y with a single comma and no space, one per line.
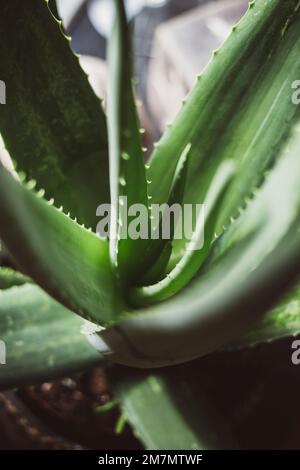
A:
240,388
240,108
42,339
127,169
169,412
53,125
196,250
65,259
159,245
234,290
158,270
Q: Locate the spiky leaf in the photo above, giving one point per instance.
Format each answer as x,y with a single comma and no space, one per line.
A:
240,108
127,169
65,259
234,289
53,125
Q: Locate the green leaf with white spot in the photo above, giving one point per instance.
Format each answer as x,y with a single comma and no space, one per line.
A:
127,169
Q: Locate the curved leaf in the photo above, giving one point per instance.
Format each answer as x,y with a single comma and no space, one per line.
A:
240,109
194,256
168,412
53,125
232,292
159,245
68,261
42,338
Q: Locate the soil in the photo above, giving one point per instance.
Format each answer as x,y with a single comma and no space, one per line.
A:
65,415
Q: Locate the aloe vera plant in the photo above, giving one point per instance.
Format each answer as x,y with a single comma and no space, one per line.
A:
150,303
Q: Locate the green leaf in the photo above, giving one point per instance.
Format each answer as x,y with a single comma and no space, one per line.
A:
282,321
69,262
158,270
127,169
159,245
168,412
196,250
10,278
233,290
43,340
240,109
53,125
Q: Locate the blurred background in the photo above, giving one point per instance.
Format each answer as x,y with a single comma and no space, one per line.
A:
173,41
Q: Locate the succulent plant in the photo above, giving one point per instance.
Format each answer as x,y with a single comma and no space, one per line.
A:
148,303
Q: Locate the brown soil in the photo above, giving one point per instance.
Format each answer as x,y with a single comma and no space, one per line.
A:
70,410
